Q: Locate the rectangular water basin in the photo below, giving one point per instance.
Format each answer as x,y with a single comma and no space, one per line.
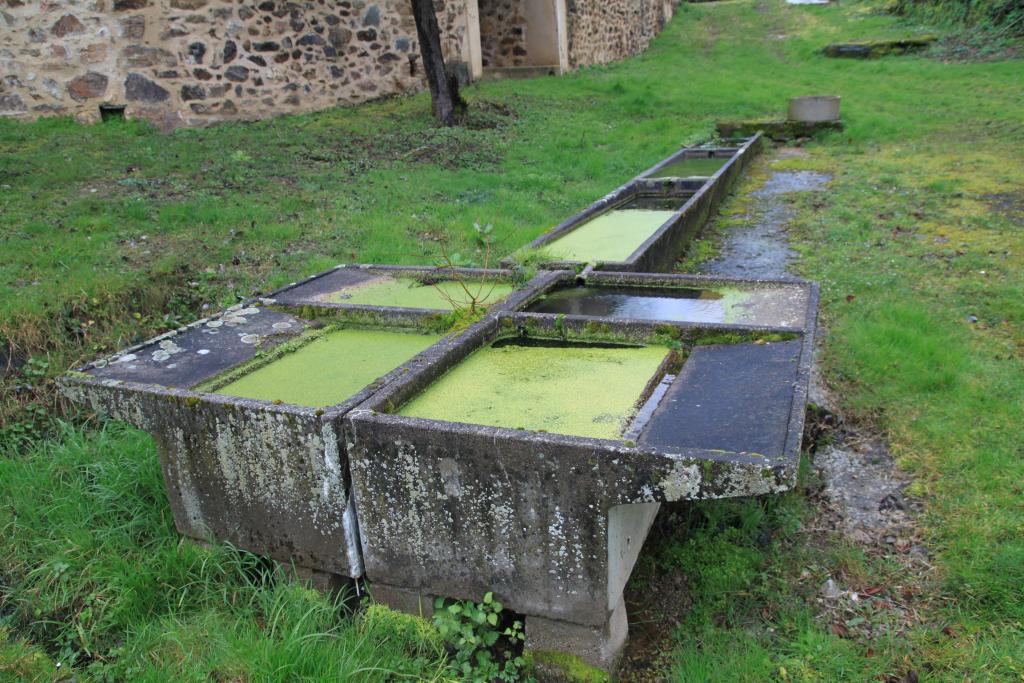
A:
611,236
640,303
690,166
326,369
626,229
535,385
677,298
245,409
530,458
362,290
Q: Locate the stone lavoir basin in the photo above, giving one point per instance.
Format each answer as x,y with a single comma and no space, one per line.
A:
529,459
332,426
611,236
675,298
324,369
535,385
245,409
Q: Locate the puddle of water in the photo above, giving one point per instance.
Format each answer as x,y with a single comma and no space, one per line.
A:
642,303
761,249
411,293
695,167
612,236
783,182
561,388
331,368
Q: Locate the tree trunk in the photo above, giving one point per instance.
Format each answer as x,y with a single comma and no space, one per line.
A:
449,107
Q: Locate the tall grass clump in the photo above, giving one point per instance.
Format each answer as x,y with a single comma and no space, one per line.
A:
95,580
1002,17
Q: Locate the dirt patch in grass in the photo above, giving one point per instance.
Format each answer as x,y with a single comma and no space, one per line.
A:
975,46
1010,204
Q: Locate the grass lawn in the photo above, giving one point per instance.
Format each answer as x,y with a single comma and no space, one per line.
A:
112,233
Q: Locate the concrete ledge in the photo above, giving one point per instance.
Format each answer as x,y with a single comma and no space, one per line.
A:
776,129
875,49
504,73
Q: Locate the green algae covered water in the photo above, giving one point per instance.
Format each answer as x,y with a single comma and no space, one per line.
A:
574,389
612,236
686,168
410,293
330,369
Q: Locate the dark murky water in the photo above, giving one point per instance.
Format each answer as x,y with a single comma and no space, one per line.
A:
689,305
653,202
685,168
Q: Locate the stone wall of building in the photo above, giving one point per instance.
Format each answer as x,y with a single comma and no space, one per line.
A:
602,31
502,33
189,62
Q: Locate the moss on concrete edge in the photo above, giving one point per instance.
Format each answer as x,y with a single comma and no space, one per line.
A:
563,667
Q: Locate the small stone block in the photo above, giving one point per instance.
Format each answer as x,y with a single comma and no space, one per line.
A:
878,48
402,600
596,646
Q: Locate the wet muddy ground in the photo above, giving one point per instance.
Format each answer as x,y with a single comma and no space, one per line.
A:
861,484
761,248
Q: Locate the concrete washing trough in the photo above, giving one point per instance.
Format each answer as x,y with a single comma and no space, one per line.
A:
335,426
646,224
245,409
530,458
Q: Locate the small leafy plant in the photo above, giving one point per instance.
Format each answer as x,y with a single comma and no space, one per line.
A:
484,642
472,296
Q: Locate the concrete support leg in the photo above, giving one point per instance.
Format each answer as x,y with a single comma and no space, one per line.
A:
598,646
402,600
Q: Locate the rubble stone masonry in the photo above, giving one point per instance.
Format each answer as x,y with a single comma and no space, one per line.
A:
191,62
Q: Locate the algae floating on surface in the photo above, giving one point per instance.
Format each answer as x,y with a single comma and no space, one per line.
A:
331,368
574,389
612,236
693,167
411,293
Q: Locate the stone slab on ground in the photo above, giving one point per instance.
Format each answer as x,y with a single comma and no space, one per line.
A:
875,49
775,129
